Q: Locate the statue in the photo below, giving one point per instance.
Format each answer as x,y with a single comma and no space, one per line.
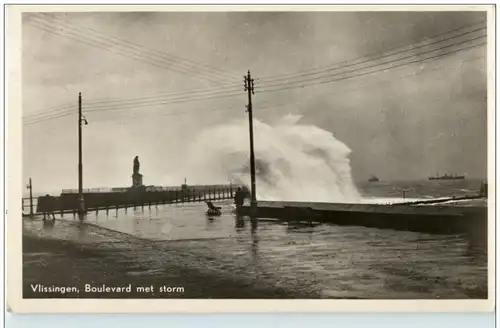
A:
136,176
136,165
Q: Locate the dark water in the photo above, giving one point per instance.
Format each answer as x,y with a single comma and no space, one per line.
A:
329,260
420,189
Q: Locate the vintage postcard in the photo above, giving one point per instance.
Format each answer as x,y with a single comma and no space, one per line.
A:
250,158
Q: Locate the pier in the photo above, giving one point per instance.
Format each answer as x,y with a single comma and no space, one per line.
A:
113,199
81,201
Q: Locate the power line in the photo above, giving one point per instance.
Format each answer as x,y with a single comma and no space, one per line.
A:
375,65
148,100
378,83
137,100
217,96
176,60
47,118
268,105
133,54
375,71
146,103
378,55
117,108
277,78
172,96
265,84
139,103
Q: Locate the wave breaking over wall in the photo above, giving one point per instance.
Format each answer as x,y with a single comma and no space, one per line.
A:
294,162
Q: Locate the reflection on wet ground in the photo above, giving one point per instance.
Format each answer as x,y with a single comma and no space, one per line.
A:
327,260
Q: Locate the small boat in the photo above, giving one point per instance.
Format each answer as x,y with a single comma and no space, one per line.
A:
373,178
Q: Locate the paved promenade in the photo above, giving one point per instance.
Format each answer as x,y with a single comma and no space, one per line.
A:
73,255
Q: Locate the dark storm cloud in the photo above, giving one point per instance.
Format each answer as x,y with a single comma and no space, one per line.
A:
398,126
389,30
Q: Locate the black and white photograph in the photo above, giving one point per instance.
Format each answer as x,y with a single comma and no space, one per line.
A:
255,154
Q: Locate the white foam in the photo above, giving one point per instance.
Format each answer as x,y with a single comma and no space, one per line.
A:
295,162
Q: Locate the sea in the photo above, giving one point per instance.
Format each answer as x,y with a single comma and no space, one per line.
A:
326,260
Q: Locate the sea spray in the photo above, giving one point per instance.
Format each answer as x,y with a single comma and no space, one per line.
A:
294,162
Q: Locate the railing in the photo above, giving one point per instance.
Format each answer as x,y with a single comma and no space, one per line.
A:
95,190
68,202
25,207
148,188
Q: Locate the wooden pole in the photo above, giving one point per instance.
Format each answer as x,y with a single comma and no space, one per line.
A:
249,87
81,204
30,187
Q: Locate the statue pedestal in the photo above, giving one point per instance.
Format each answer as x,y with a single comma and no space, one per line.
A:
136,180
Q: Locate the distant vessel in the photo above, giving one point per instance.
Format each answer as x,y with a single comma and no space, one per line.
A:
373,178
448,177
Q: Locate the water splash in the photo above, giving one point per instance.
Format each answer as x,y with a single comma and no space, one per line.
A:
294,162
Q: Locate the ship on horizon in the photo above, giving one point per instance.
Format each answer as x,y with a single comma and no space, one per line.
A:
448,177
373,178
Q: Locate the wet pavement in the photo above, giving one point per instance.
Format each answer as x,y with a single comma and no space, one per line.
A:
322,261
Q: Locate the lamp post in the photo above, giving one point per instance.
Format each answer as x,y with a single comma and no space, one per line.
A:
81,119
30,187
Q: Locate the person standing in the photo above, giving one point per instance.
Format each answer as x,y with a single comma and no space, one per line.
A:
49,207
239,197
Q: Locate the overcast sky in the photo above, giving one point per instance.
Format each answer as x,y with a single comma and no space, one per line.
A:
404,123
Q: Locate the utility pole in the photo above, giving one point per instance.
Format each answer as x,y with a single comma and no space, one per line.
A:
81,202
30,187
249,87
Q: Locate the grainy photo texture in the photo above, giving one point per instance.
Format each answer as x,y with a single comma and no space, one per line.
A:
255,155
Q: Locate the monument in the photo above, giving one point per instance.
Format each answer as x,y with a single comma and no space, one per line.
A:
136,176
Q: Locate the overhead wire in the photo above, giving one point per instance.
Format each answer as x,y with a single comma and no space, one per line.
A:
269,105
353,62
377,64
123,50
189,99
138,102
371,72
377,55
166,56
